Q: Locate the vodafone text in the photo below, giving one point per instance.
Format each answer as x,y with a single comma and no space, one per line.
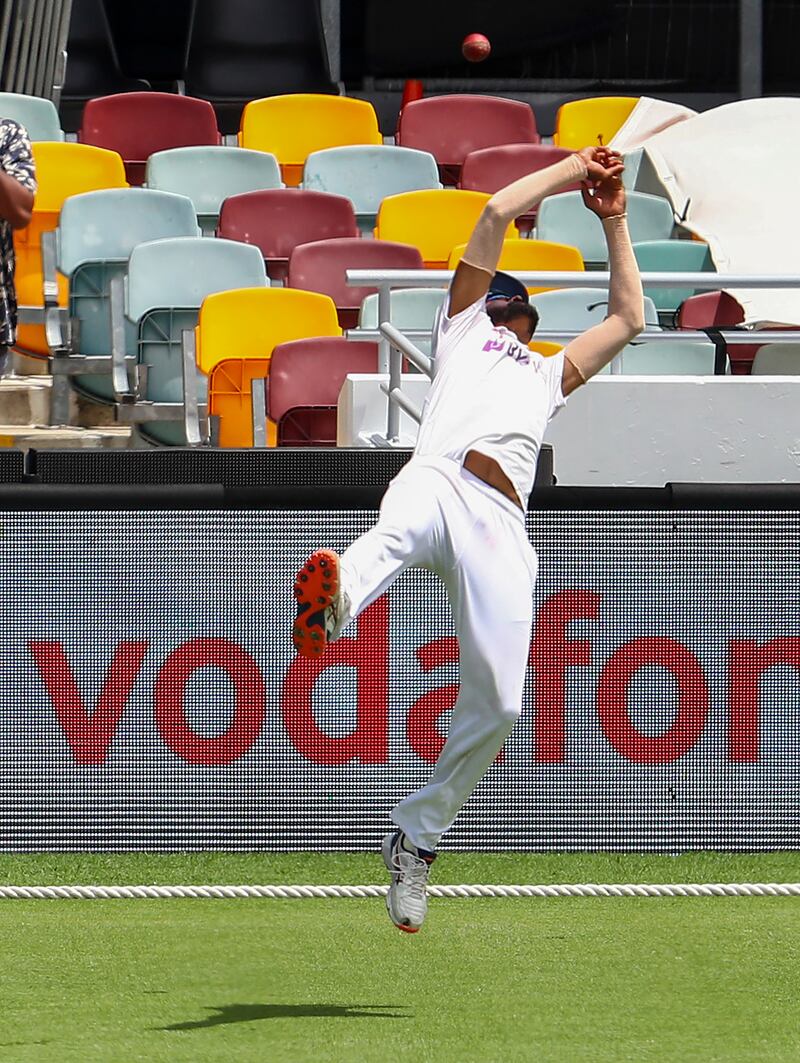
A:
89,730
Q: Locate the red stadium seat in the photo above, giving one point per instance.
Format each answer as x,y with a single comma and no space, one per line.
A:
305,379
720,310
490,169
320,267
276,220
451,127
137,124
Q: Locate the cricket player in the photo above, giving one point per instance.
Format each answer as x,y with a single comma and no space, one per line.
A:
458,506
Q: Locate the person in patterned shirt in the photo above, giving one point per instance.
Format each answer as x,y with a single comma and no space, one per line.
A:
17,187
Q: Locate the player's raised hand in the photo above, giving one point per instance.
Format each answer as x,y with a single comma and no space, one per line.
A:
601,163
606,198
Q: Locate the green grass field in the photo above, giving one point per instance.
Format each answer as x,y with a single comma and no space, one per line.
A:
553,981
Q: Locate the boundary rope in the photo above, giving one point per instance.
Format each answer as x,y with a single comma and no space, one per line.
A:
710,889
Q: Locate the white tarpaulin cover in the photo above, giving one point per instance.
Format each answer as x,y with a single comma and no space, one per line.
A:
737,167
647,118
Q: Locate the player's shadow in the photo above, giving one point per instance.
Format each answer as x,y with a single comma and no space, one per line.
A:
230,1013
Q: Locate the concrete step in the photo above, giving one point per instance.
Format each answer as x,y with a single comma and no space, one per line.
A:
25,400
25,437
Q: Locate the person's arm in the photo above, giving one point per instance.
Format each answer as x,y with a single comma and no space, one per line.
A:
590,352
477,267
17,174
16,201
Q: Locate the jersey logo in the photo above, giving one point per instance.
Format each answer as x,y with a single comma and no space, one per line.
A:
520,354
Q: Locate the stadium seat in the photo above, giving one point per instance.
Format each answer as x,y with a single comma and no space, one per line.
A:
672,256
320,267
97,231
232,356
62,170
519,256
576,309
450,127
490,169
166,284
38,115
435,221
412,310
545,347
668,358
137,124
305,379
366,174
564,218
208,175
718,310
293,126
277,220
777,359
581,123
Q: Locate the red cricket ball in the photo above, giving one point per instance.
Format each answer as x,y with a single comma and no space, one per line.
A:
475,47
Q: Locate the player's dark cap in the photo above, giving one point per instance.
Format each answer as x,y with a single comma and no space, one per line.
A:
504,286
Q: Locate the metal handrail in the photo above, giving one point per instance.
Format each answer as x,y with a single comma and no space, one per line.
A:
418,278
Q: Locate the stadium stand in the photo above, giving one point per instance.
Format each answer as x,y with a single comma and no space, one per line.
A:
277,220
292,126
233,358
137,124
320,267
208,175
366,174
435,221
39,116
521,255
450,127
672,256
591,121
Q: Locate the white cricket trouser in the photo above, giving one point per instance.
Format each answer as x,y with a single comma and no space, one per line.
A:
438,515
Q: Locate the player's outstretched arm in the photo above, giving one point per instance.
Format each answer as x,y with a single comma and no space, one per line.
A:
587,354
477,267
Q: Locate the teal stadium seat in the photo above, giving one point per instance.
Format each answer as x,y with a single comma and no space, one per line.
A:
576,309
412,309
668,358
672,256
97,231
777,359
564,219
367,173
39,116
167,281
209,174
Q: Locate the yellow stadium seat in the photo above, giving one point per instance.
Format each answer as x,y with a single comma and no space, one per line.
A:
293,126
545,347
525,255
62,170
241,328
434,220
584,123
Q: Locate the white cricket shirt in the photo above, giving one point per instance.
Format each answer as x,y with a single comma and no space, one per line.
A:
490,394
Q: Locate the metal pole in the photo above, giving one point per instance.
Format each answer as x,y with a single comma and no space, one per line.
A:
751,48
384,315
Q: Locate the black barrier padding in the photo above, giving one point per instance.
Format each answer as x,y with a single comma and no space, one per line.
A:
12,466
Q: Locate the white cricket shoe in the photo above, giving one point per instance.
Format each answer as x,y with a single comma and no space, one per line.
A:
406,901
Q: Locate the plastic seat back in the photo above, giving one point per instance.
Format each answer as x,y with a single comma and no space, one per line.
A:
277,220
411,309
166,284
521,255
208,175
435,221
576,309
672,256
450,127
62,170
321,267
668,358
366,174
305,380
564,218
137,124
593,121
292,126
777,359
97,231
38,115
718,310
237,332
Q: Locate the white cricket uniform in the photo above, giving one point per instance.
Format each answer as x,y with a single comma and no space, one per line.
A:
493,395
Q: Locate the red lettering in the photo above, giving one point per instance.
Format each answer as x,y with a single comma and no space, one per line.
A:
89,734
550,654
612,700
368,653
423,734
747,663
249,707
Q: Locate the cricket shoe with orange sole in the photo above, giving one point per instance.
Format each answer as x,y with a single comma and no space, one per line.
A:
407,899
317,592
